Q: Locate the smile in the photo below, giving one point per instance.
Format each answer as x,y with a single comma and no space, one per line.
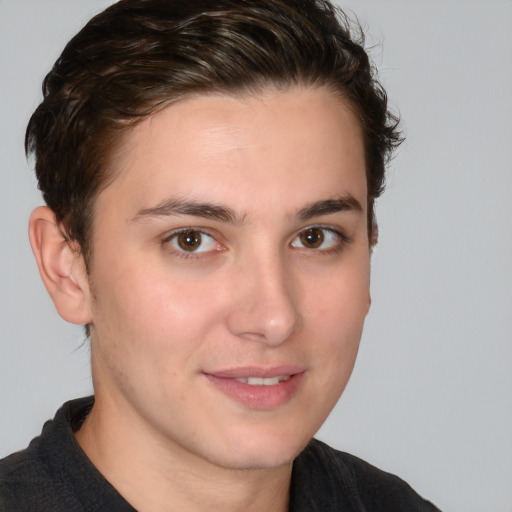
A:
259,389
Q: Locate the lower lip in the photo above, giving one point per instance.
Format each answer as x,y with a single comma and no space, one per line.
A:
258,397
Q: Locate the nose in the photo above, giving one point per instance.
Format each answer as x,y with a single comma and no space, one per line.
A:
264,306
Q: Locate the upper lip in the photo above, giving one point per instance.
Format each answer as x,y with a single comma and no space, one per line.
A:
256,371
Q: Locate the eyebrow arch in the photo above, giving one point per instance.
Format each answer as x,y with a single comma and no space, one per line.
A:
176,206
346,203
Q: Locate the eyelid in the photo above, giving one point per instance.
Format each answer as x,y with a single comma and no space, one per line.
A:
199,229
344,239
192,254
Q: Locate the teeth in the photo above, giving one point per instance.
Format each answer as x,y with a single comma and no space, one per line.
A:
260,381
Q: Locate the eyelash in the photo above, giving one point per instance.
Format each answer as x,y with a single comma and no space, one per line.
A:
189,255
343,240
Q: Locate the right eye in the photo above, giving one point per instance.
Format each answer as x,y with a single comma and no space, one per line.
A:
192,241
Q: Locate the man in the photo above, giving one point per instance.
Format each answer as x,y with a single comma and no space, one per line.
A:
210,171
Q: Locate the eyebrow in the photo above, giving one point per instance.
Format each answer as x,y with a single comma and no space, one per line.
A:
346,203
176,206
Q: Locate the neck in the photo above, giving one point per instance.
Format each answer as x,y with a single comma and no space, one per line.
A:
152,475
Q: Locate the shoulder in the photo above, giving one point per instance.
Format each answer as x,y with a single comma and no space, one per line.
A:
22,475
38,477
323,473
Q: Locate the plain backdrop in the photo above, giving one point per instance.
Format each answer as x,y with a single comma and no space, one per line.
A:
431,394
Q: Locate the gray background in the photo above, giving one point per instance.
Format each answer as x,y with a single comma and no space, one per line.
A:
431,394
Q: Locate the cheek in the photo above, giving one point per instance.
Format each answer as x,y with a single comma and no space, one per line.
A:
336,315
145,305
146,332
340,302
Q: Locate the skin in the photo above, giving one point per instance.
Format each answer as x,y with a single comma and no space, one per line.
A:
252,294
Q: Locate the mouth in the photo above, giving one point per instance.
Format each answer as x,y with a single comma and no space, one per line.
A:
258,388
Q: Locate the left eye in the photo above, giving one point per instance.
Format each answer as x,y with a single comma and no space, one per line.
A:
192,241
317,238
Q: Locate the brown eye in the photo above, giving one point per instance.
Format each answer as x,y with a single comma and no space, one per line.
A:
321,239
312,238
189,240
192,241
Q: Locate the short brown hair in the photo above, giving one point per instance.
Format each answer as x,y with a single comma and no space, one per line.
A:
138,56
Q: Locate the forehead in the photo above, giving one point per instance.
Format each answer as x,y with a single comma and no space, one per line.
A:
256,143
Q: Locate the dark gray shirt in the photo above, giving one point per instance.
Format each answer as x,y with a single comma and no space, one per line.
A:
54,474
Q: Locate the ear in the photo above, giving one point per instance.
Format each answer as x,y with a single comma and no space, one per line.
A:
61,267
374,238
374,235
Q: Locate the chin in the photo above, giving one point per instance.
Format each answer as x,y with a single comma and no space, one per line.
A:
259,452
248,461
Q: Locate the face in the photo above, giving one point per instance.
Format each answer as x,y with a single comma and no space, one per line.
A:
230,274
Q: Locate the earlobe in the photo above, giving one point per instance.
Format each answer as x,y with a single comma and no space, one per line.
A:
61,267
